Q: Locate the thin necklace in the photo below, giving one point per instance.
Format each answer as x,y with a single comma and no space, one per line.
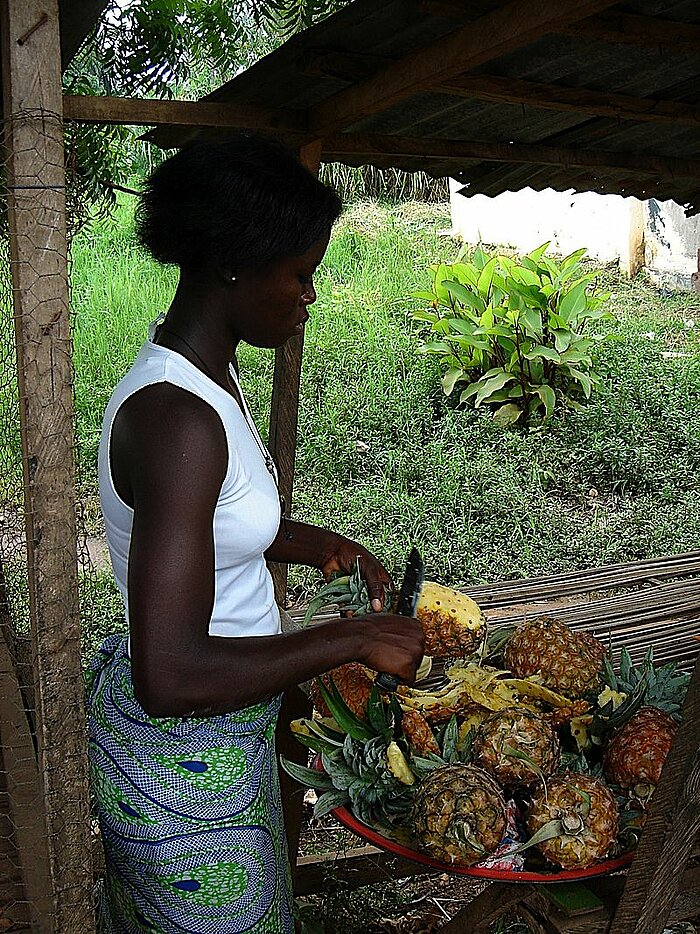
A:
270,465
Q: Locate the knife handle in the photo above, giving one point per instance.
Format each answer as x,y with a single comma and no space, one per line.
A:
386,682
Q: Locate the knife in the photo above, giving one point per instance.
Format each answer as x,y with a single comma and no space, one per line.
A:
406,606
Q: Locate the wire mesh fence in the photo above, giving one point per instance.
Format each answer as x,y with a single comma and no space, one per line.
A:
45,837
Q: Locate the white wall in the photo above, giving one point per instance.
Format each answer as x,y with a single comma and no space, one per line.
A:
609,226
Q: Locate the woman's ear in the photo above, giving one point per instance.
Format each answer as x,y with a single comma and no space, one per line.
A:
227,276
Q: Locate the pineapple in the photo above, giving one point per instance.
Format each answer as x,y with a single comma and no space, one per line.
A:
418,733
566,661
638,731
517,747
635,753
353,683
577,818
459,814
452,622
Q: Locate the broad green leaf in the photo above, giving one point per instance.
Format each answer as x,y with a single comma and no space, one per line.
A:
576,356
470,391
539,251
493,385
533,322
584,379
429,316
546,353
458,291
573,302
548,397
484,283
452,376
480,259
424,296
461,325
562,339
507,414
436,347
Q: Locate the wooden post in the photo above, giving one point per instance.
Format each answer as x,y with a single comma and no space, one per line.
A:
23,793
284,409
669,833
31,75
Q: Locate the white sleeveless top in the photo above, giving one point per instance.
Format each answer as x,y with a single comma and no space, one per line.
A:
247,512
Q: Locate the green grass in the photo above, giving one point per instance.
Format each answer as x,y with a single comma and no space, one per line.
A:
384,458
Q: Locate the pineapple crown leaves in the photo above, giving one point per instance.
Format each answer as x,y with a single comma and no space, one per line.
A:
453,752
349,722
645,684
348,591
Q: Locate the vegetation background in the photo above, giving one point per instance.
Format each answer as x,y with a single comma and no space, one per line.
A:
387,459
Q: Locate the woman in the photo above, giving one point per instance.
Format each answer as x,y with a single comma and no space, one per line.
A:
183,714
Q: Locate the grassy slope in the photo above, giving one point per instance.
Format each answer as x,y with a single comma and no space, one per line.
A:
384,458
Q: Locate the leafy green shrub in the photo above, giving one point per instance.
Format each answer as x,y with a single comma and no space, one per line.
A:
516,332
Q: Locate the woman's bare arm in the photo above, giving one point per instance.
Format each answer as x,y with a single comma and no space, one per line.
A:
169,461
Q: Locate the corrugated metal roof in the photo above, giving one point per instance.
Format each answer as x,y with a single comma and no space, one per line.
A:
634,49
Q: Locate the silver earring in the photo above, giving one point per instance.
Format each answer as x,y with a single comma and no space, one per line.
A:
233,278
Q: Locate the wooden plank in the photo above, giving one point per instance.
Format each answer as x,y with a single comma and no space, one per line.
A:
673,824
14,906
136,111
22,786
644,31
284,407
509,27
477,916
350,66
36,206
367,145
566,99
353,868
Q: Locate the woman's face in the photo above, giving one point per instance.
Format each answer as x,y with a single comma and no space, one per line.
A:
272,302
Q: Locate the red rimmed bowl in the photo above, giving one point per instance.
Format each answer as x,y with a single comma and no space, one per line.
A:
374,835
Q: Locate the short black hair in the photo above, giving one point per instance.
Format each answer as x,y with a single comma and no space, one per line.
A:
241,202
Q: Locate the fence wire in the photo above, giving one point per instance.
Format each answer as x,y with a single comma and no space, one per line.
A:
46,860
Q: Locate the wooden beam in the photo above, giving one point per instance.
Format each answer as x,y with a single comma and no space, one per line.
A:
350,66
23,782
670,830
644,31
284,408
510,27
34,156
367,146
579,100
355,867
136,111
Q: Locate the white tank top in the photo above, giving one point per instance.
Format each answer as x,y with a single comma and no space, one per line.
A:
247,512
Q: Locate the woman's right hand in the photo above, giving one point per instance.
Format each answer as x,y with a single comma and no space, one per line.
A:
393,644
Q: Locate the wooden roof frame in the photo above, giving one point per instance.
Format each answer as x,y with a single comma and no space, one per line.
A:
30,34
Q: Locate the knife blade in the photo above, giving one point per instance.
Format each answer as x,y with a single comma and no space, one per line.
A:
406,606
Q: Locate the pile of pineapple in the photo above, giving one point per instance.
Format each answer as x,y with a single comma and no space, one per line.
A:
533,752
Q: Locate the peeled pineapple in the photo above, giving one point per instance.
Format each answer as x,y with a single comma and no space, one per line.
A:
452,622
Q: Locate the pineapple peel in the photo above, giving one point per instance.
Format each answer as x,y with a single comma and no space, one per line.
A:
529,687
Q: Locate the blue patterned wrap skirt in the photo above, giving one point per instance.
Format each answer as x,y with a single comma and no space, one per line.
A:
190,813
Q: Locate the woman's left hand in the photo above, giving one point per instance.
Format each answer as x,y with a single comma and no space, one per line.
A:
344,557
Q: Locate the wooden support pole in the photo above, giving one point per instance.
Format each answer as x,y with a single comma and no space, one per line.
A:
284,409
670,831
31,73
23,785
